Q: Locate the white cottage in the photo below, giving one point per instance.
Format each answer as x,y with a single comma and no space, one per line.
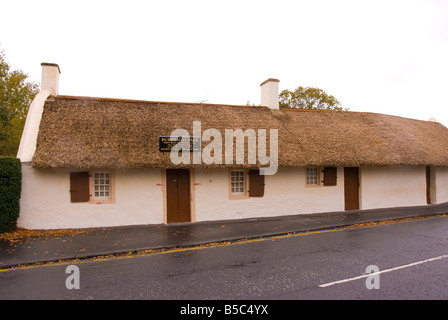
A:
96,162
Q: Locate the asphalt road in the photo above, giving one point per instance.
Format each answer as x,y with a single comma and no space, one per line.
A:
411,255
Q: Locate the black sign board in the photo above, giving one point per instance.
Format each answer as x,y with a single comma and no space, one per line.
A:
192,144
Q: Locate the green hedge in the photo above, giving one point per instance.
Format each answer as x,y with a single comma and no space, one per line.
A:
10,188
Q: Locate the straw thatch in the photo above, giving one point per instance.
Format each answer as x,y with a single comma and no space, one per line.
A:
77,132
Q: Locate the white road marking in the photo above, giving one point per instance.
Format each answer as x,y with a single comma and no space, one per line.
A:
383,271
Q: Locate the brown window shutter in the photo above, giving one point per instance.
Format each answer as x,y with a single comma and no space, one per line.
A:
256,183
79,187
330,176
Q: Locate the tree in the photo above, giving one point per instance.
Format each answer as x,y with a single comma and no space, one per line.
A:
308,98
16,95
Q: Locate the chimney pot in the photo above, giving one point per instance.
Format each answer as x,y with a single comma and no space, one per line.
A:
50,77
269,93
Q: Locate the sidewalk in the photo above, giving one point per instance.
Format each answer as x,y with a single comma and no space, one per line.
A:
115,240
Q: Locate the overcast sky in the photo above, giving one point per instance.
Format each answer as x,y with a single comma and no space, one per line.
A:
377,56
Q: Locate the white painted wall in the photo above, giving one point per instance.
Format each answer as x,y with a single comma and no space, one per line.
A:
49,86
139,196
28,141
45,200
383,187
439,191
285,194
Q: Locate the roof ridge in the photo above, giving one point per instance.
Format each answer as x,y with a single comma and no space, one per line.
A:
68,97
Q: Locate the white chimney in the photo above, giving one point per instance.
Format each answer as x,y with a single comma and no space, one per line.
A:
269,93
50,77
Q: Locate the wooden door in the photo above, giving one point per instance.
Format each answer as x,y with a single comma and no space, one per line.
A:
178,195
351,188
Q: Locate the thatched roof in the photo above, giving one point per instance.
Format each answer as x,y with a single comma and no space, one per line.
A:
80,132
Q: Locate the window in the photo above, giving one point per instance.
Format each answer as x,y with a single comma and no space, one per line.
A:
101,186
238,182
245,183
94,187
312,176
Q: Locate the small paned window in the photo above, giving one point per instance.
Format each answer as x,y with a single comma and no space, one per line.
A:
312,176
238,182
101,185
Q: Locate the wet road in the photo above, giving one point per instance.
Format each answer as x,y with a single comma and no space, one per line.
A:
412,256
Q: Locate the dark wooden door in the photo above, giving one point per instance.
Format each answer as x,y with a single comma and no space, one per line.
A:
178,195
351,188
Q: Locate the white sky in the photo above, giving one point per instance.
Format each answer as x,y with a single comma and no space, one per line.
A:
377,56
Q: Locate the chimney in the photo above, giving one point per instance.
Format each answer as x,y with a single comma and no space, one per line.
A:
269,93
50,77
